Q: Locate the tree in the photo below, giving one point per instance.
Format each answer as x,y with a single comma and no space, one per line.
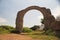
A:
35,27
42,21
45,28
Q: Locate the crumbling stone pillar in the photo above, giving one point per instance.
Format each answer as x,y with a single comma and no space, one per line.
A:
56,27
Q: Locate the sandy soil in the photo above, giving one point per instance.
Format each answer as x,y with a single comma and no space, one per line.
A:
14,37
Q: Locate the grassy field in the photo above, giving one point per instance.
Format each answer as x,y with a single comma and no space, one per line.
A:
41,36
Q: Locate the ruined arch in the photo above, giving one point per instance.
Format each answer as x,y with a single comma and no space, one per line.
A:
48,18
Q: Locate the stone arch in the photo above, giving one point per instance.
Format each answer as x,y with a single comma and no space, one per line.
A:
48,17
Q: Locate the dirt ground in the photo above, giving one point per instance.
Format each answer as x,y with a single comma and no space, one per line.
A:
15,37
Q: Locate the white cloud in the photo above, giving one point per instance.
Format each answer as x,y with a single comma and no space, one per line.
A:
2,20
56,11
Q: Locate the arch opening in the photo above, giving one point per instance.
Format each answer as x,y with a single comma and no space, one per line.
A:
31,18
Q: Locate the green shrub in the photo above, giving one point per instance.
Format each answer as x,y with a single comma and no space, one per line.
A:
6,29
35,27
2,31
49,32
27,30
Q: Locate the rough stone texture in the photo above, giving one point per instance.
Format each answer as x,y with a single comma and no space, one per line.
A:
56,27
48,17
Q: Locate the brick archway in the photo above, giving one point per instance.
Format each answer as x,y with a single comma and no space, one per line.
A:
48,18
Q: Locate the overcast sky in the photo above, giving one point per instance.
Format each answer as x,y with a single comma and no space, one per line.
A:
9,9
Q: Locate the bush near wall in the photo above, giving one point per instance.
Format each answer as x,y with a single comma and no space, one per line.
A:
27,30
